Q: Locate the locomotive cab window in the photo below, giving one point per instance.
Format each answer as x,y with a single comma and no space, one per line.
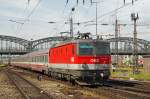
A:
102,48
73,50
94,48
85,49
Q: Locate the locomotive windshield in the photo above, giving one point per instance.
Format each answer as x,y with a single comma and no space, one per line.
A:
102,48
96,48
85,49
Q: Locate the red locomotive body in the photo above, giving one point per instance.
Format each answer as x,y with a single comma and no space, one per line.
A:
83,59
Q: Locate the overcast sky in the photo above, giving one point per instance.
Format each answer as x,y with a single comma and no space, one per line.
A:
37,13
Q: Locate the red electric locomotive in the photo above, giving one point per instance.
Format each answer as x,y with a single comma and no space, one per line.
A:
85,60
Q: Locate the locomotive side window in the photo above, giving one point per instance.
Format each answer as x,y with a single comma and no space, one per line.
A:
72,50
66,51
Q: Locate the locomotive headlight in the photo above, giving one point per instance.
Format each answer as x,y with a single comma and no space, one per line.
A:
102,75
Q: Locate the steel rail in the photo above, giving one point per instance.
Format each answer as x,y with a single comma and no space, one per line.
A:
117,91
12,76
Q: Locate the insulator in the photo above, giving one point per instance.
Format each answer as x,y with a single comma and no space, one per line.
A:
132,2
124,2
28,1
83,2
77,2
73,9
67,2
91,2
137,16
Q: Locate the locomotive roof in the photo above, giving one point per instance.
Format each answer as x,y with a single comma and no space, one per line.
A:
79,40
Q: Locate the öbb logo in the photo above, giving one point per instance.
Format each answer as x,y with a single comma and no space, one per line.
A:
94,60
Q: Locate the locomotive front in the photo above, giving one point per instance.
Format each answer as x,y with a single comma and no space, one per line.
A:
94,60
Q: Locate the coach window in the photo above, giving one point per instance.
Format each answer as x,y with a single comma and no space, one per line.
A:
32,59
46,59
43,59
35,59
40,58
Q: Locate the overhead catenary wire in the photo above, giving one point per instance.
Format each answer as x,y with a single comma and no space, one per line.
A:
33,10
127,4
112,11
69,15
21,23
77,1
65,19
29,15
124,1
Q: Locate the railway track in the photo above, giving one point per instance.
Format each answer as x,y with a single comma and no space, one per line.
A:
130,86
114,89
119,92
127,93
128,89
27,89
122,90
